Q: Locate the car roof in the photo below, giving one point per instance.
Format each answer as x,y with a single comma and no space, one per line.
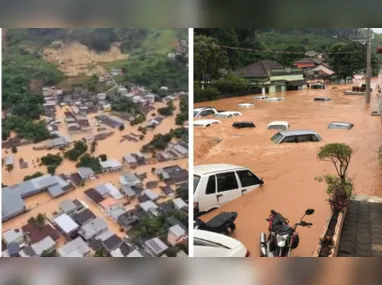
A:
228,113
245,104
243,122
341,123
213,168
203,108
217,238
322,97
205,122
298,132
283,123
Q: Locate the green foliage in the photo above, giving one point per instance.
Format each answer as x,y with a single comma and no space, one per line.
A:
38,221
347,64
91,162
52,169
124,104
287,59
183,115
14,149
78,149
339,154
138,120
93,146
51,159
9,168
182,192
52,253
103,157
29,177
339,191
101,253
340,187
166,111
121,127
206,94
25,128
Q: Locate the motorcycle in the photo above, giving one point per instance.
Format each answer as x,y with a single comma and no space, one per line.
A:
223,223
282,237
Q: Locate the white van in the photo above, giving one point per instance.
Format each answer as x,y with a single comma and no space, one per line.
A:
218,184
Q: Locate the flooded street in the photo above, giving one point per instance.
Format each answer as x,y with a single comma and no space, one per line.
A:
289,169
112,147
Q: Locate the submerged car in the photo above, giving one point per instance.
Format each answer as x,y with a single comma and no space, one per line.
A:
246,105
204,111
240,125
322,99
275,99
227,114
206,123
278,125
340,126
296,136
260,97
209,244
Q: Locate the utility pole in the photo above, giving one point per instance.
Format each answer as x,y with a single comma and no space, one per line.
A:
368,66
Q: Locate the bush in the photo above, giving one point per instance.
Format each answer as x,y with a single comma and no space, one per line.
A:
14,149
91,162
52,169
51,159
121,127
206,94
29,177
78,149
166,111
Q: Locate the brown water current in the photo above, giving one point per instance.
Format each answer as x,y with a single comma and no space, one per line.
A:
289,169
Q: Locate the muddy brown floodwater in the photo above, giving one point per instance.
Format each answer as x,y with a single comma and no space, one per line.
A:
289,169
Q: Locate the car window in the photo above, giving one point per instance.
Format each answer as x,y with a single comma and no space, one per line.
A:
314,138
211,185
319,99
227,181
209,112
195,113
304,138
290,139
196,181
277,137
219,116
247,178
204,113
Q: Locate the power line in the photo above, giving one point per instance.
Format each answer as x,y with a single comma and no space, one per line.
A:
268,51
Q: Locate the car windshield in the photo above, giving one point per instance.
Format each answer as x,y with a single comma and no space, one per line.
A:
196,181
195,113
277,127
220,116
338,126
277,137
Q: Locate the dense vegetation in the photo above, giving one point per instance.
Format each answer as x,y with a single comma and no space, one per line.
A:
35,175
78,149
24,73
89,161
183,115
160,142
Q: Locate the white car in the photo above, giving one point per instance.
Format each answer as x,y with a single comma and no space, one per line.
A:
206,123
246,105
218,184
322,99
260,97
278,125
275,99
205,111
227,114
209,244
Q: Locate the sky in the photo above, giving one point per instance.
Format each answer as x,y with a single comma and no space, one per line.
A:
377,30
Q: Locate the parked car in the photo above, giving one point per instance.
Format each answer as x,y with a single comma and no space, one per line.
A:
340,125
227,114
322,99
296,136
218,184
278,125
204,111
206,123
240,125
260,97
209,244
246,105
275,99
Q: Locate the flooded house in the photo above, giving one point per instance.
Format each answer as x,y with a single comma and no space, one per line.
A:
176,234
129,179
9,160
86,173
94,196
84,216
75,248
127,220
162,156
68,207
66,225
270,76
130,160
93,228
111,165
155,247
128,192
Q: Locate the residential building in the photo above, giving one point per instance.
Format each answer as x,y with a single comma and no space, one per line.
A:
111,165
75,248
127,220
35,233
149,207
162,156
150,194
84,217
127,191
155,247
180,204
68,207
94,196
85,173
13,236
9,160
47,245
129,179
66,225
130,160
93,228
176,234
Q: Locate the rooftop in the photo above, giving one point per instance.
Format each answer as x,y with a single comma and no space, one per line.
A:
37,233
66,223
75,248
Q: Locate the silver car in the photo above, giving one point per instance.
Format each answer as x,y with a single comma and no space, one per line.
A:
296,136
